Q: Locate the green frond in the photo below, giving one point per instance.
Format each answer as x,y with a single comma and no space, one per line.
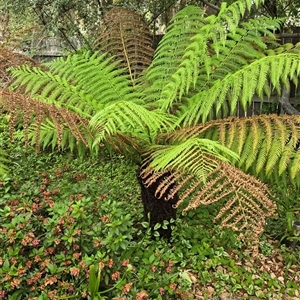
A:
83,83
285,159
261,159
128,117
44,123
266,144
197,54
247,155
168,56
193,156
50,136
274,155
201,103
238,143
295,166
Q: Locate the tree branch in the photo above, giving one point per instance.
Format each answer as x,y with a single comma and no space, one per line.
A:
210,5
163,9
285,103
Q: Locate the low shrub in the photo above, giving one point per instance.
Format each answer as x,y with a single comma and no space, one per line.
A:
62,216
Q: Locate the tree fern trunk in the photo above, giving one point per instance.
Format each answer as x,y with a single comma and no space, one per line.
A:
158,209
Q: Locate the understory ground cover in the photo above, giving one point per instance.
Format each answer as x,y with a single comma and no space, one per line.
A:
74,228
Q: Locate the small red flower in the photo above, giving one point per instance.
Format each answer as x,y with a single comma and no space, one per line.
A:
74,271
15,283
101,265
171,263
110,263
2,295
125,263
115,275
161,290
153,268
35,242
141,295
28,264
126,288
13,260
76,255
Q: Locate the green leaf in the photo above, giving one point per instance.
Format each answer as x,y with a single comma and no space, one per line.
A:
94,281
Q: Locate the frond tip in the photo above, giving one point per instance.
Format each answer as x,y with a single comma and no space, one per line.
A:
247,199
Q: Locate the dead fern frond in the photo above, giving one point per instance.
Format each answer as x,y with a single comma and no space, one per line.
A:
124,34
8,59
30,110
246,199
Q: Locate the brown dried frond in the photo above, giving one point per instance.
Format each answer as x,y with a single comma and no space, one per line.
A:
35,112
247,202
233,125
9,58
125,35
123,143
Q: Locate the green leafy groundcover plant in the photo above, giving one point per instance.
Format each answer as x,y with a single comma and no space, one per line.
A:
62,217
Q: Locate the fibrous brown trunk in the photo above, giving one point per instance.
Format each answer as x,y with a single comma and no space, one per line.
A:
158,208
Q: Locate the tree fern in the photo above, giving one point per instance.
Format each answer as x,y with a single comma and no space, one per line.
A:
203,69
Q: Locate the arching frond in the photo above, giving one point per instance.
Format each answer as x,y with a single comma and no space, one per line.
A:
171,49
212,32
201,104
247,203
266,144
37,112
194,156
84,83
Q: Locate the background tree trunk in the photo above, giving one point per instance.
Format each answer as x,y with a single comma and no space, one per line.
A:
4,31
